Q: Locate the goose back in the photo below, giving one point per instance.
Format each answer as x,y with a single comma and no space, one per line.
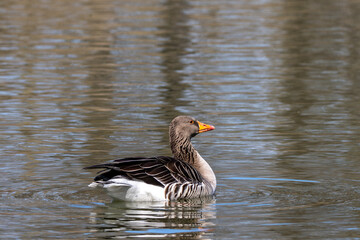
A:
166,172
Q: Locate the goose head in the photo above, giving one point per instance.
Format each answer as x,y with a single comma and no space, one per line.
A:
186,127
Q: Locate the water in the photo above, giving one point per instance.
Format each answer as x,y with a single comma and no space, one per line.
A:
84,82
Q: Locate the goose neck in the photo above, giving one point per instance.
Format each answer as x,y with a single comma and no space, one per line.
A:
182,149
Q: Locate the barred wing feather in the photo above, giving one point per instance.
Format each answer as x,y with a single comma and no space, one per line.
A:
159,171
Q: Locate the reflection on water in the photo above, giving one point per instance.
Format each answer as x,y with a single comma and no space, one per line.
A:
192,218
175,47
83,82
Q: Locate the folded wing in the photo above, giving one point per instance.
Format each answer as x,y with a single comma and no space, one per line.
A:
159,171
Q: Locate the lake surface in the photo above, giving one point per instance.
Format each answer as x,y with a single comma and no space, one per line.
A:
85,82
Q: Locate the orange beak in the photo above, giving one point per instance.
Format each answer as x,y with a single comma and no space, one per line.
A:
204,127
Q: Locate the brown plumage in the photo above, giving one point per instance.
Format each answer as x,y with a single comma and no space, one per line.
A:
186,175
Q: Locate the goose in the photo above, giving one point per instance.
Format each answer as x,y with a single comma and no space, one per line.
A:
185,175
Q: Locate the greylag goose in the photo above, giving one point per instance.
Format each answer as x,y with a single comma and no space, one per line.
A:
186,175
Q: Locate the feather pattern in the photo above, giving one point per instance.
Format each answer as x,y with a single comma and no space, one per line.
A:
179,179
186,175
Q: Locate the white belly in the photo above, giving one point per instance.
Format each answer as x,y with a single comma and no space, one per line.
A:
129,190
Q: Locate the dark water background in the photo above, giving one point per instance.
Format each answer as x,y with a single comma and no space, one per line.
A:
83,82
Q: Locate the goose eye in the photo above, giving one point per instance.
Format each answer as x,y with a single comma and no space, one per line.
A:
191,122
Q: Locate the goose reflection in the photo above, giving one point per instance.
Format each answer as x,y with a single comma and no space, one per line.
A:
191,218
